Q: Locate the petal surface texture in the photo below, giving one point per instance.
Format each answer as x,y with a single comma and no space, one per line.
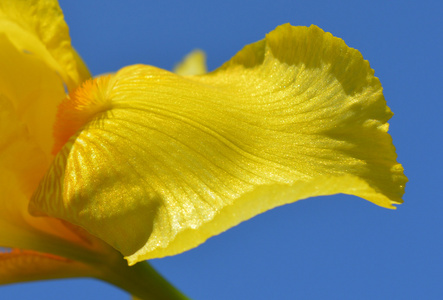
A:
161,162
36,62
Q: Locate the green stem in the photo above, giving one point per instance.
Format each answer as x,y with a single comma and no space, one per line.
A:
141,280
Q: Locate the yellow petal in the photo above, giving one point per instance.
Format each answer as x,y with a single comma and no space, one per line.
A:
33,91
36,61
193,64
22,164
18,266
37,28
161,162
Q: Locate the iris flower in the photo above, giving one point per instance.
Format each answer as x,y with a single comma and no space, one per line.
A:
146,163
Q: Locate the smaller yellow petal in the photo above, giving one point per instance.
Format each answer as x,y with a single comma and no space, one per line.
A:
193,64
38,28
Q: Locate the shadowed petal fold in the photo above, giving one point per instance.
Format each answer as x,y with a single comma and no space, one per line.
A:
22,164
155,163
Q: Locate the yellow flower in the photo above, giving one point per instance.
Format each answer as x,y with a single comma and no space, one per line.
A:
153,163
37,63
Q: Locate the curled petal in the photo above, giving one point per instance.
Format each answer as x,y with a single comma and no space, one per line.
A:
159,162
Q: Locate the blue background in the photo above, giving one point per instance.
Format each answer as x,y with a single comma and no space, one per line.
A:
337,247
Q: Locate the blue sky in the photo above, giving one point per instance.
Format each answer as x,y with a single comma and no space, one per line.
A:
337,247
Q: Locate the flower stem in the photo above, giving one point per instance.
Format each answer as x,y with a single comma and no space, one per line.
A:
142,281
105,263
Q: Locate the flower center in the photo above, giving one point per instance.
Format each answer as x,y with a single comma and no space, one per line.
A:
80,107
